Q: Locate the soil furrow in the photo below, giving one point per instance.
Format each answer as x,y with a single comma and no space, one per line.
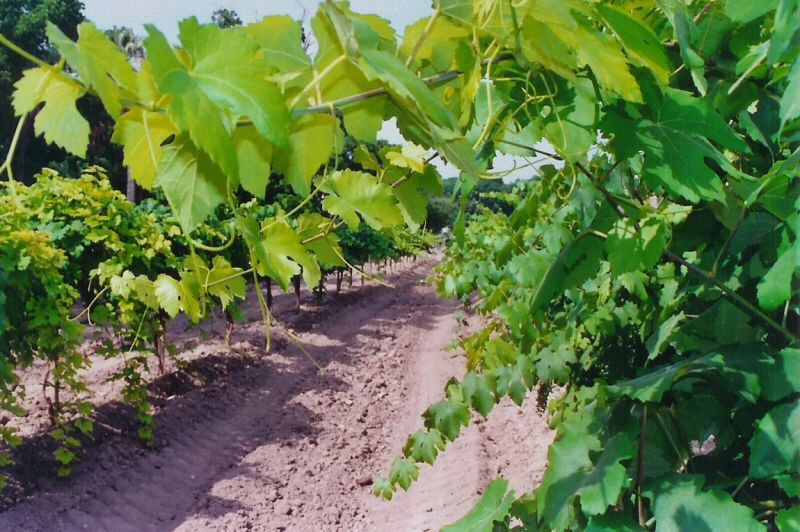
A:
273,444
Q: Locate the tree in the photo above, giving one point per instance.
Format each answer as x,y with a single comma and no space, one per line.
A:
24,23
226,18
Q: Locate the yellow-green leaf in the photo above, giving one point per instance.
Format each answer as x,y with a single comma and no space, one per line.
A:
59,119
141,133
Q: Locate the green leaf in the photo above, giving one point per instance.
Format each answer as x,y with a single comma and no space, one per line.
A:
324,242
604,57
676,145
571,128
337,37
492,507
784,30
424,446
613,522
682,23
745,11
352,193
404,472
447,416
630,249
641,44
254,155
788,520
554,361
59,119
225,282
514,380
775,446
192,183
478,393
362,119
412,194
366,158
571,473
775,288
405,86
409,156
790,484
282,254
679,503
281,38
64,456
383,488
313,140
145,292
98,61
167,290
790,101
655,344
439,46
601,488
651,386
224,82
141,133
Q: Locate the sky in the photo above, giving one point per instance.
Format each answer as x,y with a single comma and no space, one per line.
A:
165,14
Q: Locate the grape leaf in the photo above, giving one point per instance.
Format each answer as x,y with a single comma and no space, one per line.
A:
651,386
676,144
424,446
775,446
447,416
613,522
98,61
141,133
790,101
283,253
404,472
745,11
788,520
167,290
323,242
59,119
571,473
412,193
630,249
680,503
775,287
383,488
494,505
313,140
642,45
281,38
225,282
790,484
225,81
409,156
352,193
254,155
655,344
683,25
336,39
478,393
192,183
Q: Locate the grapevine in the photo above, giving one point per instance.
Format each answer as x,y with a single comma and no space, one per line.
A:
647,275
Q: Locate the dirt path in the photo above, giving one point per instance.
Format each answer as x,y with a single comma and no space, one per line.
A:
270,443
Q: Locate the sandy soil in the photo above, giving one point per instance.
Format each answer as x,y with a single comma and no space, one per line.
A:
255,441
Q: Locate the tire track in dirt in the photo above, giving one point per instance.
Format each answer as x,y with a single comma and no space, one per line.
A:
276,445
